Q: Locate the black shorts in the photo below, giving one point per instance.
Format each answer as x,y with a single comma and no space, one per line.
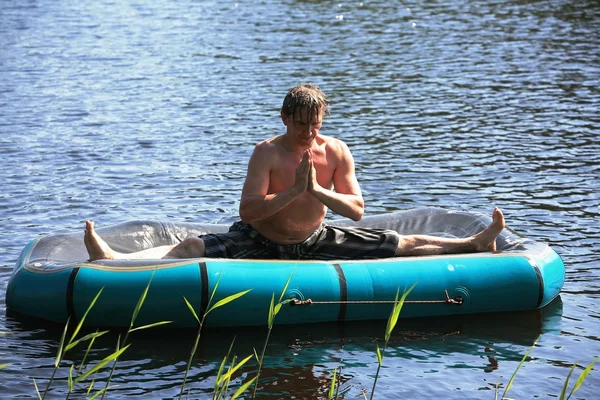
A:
326,243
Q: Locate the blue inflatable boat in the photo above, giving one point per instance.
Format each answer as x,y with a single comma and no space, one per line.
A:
52,279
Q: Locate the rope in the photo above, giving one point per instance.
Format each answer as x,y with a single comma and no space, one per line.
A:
308,302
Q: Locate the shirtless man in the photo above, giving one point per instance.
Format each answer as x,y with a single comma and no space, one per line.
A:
292,180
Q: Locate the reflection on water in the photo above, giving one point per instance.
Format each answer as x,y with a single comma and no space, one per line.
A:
149,110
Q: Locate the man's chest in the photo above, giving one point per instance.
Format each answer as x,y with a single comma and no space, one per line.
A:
283,171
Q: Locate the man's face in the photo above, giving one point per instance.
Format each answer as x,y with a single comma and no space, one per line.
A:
301,129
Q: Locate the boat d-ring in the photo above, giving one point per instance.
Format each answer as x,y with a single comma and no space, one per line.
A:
460,293
295,295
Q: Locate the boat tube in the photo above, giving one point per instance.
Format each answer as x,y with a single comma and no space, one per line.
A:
53,279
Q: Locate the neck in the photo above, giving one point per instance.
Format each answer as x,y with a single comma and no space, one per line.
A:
290,145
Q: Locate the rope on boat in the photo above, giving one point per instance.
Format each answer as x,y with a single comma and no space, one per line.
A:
458,300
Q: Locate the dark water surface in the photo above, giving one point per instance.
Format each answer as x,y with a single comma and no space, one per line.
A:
119,110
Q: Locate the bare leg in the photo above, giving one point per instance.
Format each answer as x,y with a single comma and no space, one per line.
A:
98,249
421,245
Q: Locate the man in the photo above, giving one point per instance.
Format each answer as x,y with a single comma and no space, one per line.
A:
292,180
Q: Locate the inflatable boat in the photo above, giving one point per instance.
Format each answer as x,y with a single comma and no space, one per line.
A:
53,279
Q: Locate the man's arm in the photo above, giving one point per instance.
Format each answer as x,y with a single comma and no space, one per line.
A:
256,203
347,199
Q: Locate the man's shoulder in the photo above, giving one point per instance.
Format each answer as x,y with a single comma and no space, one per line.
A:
268,144
334,144
267,148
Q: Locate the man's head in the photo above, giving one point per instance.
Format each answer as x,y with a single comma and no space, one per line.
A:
302,112
307,97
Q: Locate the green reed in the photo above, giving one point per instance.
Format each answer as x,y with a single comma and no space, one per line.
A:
104,362
219,385
87,352
391,324
579,382
335,384
273,311
134,316
512,378
7,364
229,364
209,308
222,381
563,393
62,349
72,342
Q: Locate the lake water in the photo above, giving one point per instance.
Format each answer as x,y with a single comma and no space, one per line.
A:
121,110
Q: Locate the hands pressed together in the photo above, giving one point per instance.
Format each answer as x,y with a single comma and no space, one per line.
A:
348,202
306,175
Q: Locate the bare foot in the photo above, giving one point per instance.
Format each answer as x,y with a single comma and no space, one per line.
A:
96,247
486,239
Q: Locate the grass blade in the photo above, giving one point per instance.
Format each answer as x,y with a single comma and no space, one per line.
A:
91,336
285,286
102,363
243,388
398,304
191,307
98,393
150,325
391,324
90,387
240,364
212,294
332,388
141,300
278,306
222,366
70,378
271,312
512,378
563,392
270,321
195,347
225,384
87,351
80,324
220,373
134,316
393,318
379,356
37,390
201,323
59,356
582,377
61,344
189,364
102,391
227,299
338,383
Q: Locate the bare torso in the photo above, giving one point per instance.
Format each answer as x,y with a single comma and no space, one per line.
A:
297,220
